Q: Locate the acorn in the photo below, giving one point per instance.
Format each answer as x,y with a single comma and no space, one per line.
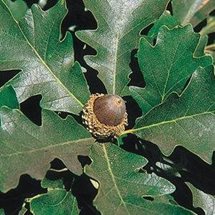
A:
105,115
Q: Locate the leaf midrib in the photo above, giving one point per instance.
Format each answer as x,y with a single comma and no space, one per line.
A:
115,64
166,122
113,178
40,58
52,190
169,70
47,147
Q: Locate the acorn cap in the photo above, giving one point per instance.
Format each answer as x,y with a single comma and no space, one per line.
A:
105,115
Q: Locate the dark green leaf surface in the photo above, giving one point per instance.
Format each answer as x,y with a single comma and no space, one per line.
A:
188,120
192,11
57,201
167,66
119,25
47,64
8,98
26,148
203,200
120,182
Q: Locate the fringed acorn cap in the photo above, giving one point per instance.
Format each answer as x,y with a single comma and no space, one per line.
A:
105,115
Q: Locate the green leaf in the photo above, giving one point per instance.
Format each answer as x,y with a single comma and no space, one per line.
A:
2,212
18,8
187,120
165,19
192,11
47,64
200,49
57,201
167,66
52,184
203,200
120,182
170,21
155,207
119,26
26,148
8,98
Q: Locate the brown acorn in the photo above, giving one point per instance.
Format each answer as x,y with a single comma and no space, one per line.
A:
105,115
